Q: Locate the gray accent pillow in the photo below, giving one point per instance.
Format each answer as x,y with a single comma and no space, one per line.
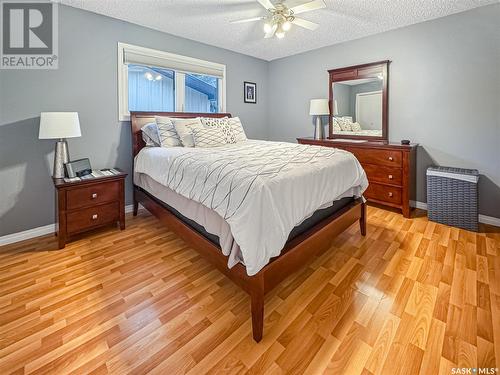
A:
166,132
150,135
208,137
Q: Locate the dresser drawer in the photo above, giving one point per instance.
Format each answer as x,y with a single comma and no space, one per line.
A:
383,193
86,218
385,175
380,157
92,195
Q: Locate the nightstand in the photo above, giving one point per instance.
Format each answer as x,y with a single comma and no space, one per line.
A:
89,204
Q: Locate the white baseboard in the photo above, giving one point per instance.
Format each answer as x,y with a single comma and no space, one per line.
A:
27,234
490,220
40,231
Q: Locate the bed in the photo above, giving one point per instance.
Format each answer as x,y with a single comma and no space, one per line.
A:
363,132
222,202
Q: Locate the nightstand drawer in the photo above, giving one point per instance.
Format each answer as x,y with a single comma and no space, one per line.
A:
383,193
92,195
385,175
86,218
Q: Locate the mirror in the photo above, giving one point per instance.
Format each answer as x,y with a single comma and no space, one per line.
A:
358,99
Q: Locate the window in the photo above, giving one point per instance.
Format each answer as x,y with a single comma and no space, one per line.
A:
201,93
150,89
150,80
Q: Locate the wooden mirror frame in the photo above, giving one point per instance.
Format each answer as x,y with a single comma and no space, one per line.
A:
360,72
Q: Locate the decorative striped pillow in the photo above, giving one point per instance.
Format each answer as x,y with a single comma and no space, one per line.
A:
166,132
208,137
237,129
185,127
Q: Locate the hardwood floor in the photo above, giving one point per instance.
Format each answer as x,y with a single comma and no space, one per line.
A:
411,297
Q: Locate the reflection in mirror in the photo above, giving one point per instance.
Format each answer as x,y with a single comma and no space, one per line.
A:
358,107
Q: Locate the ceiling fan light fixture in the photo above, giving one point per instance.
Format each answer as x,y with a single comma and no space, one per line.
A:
280,34
287,25
267,27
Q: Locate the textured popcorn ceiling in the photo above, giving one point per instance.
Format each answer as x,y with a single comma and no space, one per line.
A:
207,21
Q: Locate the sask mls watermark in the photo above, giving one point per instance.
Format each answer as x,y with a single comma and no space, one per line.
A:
29,34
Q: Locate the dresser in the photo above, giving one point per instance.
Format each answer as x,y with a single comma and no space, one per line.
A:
390,168
89,204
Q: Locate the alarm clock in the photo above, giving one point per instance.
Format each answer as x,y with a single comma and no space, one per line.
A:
405,142
78,168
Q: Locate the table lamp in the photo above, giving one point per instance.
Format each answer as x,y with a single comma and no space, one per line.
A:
318,108
59,125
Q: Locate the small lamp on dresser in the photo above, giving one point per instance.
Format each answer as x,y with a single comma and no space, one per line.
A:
318,108
59,125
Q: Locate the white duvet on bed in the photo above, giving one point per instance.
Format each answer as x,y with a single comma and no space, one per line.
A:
369,132
262,189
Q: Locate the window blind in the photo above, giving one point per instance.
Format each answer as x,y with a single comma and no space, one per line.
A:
174,63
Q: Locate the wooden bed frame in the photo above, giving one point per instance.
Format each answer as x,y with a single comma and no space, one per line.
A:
293,256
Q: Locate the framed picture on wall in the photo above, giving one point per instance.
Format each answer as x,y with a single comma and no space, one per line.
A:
250,92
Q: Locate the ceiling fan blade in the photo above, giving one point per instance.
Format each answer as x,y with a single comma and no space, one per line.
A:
307,7
266,4
305,24
271,33
253,19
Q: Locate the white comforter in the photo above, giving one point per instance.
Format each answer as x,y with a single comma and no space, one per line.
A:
262,189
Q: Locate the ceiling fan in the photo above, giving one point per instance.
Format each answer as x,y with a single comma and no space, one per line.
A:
280,17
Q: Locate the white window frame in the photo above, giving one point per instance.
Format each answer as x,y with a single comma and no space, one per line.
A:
123,112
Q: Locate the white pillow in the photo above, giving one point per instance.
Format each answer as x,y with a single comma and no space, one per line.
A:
356,127
223,125
336,125
167,134
345,125
150,135
184,128
237,129
205,137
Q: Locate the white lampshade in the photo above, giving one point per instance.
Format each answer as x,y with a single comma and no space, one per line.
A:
59,125
319,107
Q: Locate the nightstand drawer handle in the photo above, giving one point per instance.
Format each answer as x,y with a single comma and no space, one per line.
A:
391,158
94,195
94,216
390,177
390,194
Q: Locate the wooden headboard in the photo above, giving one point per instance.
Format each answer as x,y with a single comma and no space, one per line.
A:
139,119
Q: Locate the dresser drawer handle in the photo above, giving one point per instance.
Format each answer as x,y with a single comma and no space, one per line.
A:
94,216
390,194
390,177
94,195
391,158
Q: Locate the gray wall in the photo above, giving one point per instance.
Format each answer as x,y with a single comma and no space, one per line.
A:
444,92
343,98
86,82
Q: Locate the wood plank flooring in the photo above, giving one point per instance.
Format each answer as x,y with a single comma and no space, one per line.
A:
411,297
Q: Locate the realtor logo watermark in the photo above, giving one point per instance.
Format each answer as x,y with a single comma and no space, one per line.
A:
29,35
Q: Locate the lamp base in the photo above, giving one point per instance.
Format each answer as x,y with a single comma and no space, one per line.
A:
318,129
61,156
